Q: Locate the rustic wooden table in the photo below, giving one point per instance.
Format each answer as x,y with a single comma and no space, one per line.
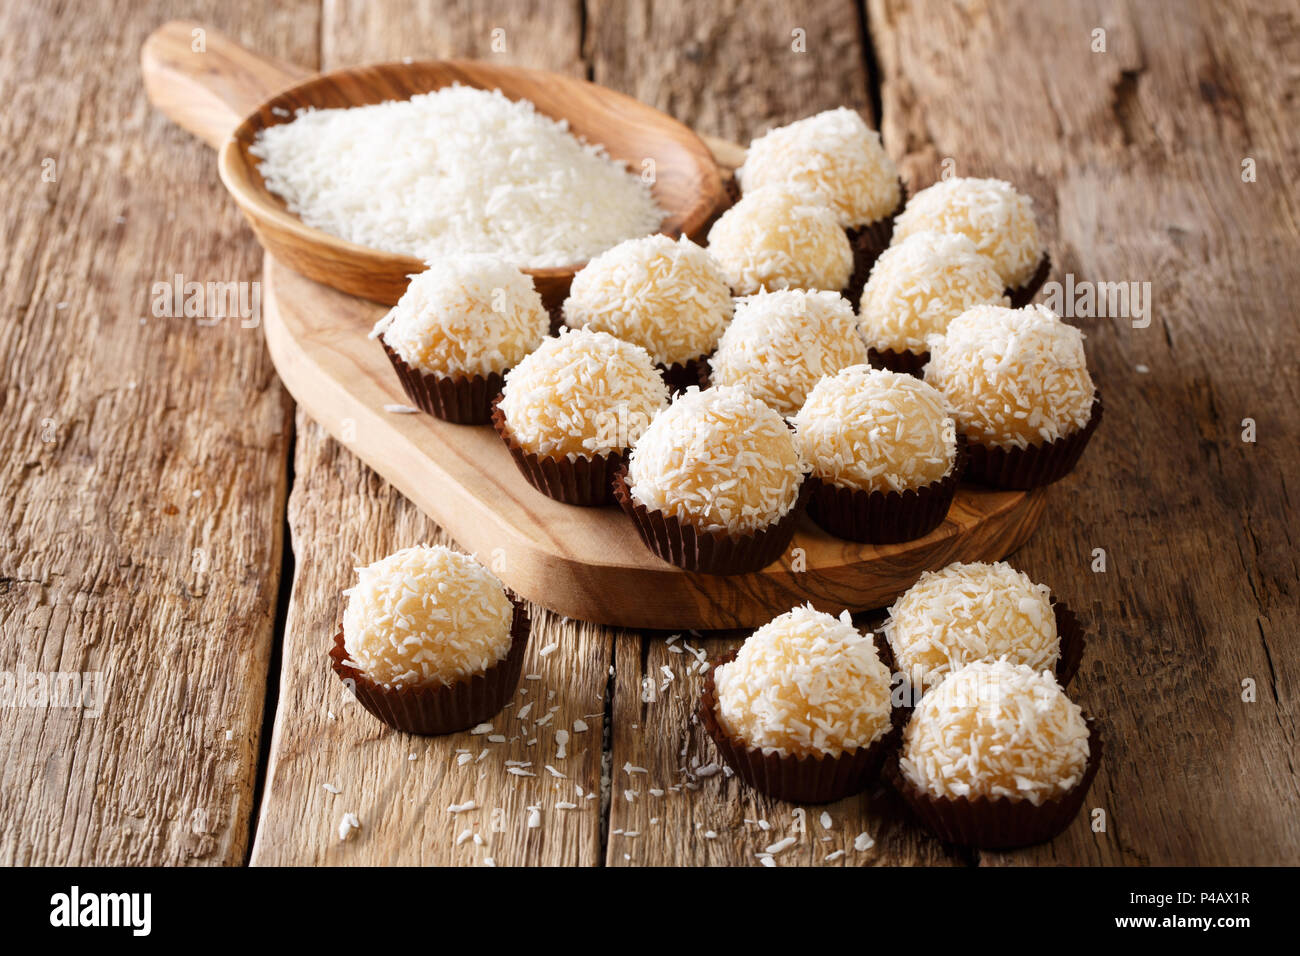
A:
173,526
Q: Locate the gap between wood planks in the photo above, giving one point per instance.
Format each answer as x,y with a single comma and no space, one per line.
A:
288,565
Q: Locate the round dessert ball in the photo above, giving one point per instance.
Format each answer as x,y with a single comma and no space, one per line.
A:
779,238
876,431
971,612
990,212
582,394
1013,377
834,157
805,683
920,285
996,729
426,615
780,344
466,315
667,296
719,460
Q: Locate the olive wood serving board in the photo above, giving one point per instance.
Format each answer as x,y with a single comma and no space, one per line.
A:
583,563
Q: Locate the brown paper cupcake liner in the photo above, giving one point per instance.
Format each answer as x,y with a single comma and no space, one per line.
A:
868,242
438,709
1023,295
909,363
1020,469
996,823
682,375
708,552
459,399
586,482
878,517
806,779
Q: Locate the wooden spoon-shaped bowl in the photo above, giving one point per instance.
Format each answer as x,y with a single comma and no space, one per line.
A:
687,183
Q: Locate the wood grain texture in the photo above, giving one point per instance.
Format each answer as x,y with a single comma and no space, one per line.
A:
143,471
340,508
1134,160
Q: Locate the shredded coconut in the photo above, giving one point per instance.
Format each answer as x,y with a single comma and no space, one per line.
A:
780,344
457,169
805,683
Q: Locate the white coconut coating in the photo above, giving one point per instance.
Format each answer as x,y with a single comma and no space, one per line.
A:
805,683
779,238
920,285
582,394
426,615
780,344
876,431
971,612
990,212
835,157
667,296
465,315
718,459
996,729
1013,377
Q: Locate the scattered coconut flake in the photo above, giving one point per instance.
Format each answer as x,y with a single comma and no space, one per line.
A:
863,841
783,844
397,409
481,729
462,807
348,825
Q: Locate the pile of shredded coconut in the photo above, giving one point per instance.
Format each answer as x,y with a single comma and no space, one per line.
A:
669,297
835,157
779,238
1013,377
455,170
718,459
920,285
582,394
875,430
426,615
805,683
971,612
780,344
996,729
999,220
468,315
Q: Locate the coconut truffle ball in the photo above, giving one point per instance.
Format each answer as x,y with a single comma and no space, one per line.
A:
719,460
990,212
805,683
780,344
834,157
971,612
465,315
582,394
1013,377
778,238
426,615
876,431
920,285
669,297
996,729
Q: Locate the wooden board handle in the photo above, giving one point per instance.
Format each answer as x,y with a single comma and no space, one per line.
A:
207,83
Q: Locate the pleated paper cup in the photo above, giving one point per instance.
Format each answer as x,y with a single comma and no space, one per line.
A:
585,481
682,375
458,399
1021,296
437,708
878,517
1034,465
708,552
908,363
996,823
804,779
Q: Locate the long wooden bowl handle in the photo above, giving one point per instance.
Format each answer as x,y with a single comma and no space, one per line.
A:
207,83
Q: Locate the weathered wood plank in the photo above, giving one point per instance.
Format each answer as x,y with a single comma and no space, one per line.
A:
727,69
1134,159
143,474
343,515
